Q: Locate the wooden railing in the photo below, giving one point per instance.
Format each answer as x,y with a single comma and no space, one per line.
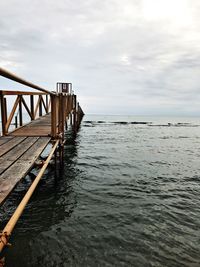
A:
62,105
37,104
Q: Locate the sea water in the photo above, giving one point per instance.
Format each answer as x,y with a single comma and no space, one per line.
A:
128,195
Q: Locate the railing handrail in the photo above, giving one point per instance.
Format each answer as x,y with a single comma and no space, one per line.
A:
12,92
11,76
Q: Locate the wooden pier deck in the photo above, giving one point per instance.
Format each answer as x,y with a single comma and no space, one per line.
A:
17,157
20,149
39,127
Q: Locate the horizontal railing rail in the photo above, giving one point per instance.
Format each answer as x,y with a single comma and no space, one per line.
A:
9,92
12,76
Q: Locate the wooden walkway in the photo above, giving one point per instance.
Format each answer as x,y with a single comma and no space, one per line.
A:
18,155
49,113
19,152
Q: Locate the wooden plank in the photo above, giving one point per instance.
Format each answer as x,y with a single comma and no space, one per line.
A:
9,158
31,134
10,144
36,149
19,149
5,139
46,117
44,131
10,178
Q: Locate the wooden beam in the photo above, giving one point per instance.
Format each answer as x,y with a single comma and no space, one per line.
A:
37,106
12,113
6,92
12,76
44,105
27,109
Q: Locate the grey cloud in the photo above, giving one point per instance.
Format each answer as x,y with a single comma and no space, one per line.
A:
106,48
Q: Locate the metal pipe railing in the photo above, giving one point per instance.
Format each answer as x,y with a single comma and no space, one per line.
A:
11,76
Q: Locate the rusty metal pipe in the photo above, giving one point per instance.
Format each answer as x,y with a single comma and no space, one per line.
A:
15,217
15,78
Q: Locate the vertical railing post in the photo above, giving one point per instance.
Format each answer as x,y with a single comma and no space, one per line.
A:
47,104
3,115
5,106
32,106
78,115
63,113
40,105
74,114
60,113
16,122
66,110
20,111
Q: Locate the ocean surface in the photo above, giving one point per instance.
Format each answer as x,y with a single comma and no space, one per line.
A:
128,195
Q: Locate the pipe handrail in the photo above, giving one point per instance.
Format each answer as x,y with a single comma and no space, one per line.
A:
12,92
11,76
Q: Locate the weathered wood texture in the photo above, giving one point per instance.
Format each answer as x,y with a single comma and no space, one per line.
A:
17,157
38,127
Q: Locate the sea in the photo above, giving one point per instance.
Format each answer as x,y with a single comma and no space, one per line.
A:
128,194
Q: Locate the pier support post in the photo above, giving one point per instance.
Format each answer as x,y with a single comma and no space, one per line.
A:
75,114
70,117
53,116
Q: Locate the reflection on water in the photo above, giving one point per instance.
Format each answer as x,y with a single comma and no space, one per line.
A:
128,195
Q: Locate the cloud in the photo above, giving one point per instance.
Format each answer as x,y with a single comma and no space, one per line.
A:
131,57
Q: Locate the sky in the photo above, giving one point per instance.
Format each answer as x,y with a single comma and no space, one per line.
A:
130,57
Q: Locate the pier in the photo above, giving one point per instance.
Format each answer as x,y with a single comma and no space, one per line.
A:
50,113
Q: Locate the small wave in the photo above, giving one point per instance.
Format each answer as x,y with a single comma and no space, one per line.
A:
86,125
173,137
120,122
140,122
166,137
159,163
132,122
179,124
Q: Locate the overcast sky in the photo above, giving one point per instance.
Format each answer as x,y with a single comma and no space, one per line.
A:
139,57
